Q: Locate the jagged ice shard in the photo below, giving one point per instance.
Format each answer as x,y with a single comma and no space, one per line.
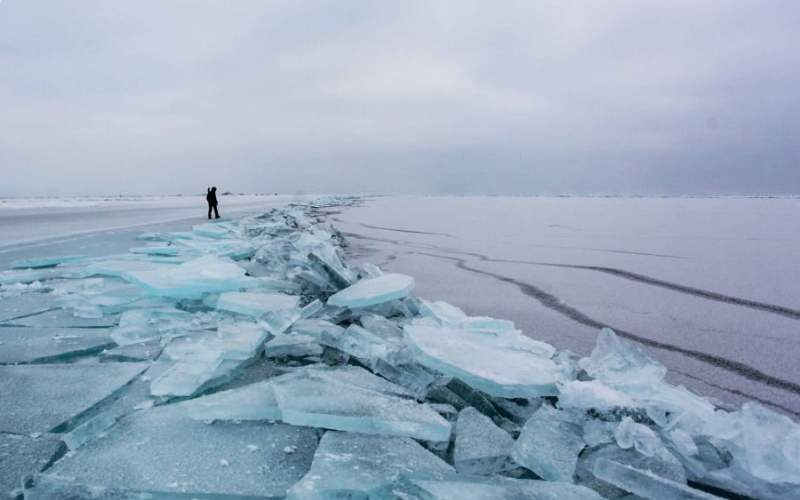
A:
549,444
373,291
504,369
356,466
193,279
481,447
479,488
333,399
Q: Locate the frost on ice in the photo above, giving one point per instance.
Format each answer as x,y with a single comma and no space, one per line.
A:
248,358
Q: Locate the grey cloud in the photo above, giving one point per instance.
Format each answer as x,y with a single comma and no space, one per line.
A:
461,96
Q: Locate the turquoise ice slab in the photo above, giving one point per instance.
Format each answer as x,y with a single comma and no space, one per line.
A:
618,362
481,447
162,449
37,398
664,465
142,325
22,456
501,369
62,318
292,346
31,344
645,483
354,400
372,291
251,402
353,466
549,444
49,487
193,279
482,488
24,305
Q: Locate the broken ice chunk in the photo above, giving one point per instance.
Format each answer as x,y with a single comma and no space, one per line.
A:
596,432
162,450
666,466
251,402
372,291
292,346
502,369
140,325
764,443
185,378
193,279
644,483
256,304
591,394
354,466
481,447
618,362
323,331
367,347
480,488
277,310
336,399
629,434
240,339
549,444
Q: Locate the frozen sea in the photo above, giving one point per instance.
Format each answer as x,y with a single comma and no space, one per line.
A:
707,286
710,287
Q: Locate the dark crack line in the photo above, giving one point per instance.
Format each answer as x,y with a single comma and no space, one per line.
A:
383,228
619,273
553,302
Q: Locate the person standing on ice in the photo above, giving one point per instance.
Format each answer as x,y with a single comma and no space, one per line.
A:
211,198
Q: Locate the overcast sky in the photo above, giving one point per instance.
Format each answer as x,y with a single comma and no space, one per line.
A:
105,97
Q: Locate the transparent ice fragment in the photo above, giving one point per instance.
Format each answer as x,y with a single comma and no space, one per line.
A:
277,310
502,369
549,444
251,402
596,432
372,291
621,363
762,442
485,488
592,394
382,326
481,447
355,466
663,465
644,483
367,347
141,325
352,399
162,450
323,331
629,434
292,346
193,279
184,378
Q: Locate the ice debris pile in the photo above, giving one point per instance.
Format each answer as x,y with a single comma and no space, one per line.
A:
258,363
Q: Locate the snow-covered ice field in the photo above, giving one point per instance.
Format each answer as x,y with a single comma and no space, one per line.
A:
710,287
